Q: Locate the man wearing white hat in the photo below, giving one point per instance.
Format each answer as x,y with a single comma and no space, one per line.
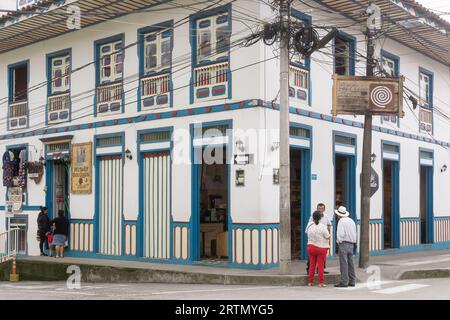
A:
346,241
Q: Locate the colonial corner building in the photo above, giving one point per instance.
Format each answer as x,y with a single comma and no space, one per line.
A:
112,110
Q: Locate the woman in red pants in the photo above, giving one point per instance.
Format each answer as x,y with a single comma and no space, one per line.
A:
318,245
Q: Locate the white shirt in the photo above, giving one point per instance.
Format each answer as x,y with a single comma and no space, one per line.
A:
346,230
325,220
318,235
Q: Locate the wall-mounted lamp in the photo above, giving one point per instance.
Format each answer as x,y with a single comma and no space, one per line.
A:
128,154
240,145
444,168
373,157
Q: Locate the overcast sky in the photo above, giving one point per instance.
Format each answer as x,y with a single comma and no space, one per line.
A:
440,6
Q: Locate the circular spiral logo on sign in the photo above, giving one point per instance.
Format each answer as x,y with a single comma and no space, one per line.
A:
381,96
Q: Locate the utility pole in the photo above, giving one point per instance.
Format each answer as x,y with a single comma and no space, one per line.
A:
285,204
367,150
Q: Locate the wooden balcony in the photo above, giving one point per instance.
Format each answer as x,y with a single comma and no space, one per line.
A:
155,92
109,99
58,108
211,82
18,115
426,120
299,84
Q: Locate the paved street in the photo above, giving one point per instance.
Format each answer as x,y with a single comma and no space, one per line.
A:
433,289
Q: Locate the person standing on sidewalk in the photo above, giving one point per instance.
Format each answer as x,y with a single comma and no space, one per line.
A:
43,223
325,220
318,245
60,235
346,241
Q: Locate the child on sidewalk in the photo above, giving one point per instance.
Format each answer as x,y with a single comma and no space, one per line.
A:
49,236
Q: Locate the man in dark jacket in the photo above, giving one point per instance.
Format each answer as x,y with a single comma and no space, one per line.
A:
43,227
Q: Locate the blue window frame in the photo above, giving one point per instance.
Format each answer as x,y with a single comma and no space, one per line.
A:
18,80
426,84
344,50
300,75
109,56
155,46
210,43
390,67
59,68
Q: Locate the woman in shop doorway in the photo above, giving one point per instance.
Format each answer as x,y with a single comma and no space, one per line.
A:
60,235
318,245
43,223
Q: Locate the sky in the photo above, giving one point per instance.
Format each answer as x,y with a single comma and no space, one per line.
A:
439,6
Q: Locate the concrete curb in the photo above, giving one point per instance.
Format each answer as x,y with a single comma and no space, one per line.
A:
48,271
424,274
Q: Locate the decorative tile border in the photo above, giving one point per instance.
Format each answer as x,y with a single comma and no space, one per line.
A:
245,104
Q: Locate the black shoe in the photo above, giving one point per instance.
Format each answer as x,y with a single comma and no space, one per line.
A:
43,254
326,272
351,284
340,285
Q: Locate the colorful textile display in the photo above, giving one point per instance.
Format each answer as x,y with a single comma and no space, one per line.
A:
8,169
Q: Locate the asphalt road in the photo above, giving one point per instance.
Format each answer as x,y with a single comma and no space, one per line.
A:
433,289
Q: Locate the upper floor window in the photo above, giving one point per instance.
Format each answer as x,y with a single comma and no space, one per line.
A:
58,101
157,51
109,93
389,67
344,55
299,73
60,73
426,100
18,96
210,37
111,61
19,83
425,89
213,37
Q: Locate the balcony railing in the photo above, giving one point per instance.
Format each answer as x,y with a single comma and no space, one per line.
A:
58,108
211,81
298,83
155,91
426,120
17,115
109,98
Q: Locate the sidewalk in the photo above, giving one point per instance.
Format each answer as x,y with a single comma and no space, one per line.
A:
414,265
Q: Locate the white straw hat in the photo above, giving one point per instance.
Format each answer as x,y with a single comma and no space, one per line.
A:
342,212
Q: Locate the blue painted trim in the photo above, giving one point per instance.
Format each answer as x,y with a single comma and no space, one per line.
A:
96,233
245,104
395,193
430,74
97,44
193,41
396,59
307,19
11,68
145,131
48,68
142,32
140,219
194,228
351,172
429,180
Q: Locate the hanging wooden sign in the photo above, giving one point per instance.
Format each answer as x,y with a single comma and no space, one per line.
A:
81,168
361,95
